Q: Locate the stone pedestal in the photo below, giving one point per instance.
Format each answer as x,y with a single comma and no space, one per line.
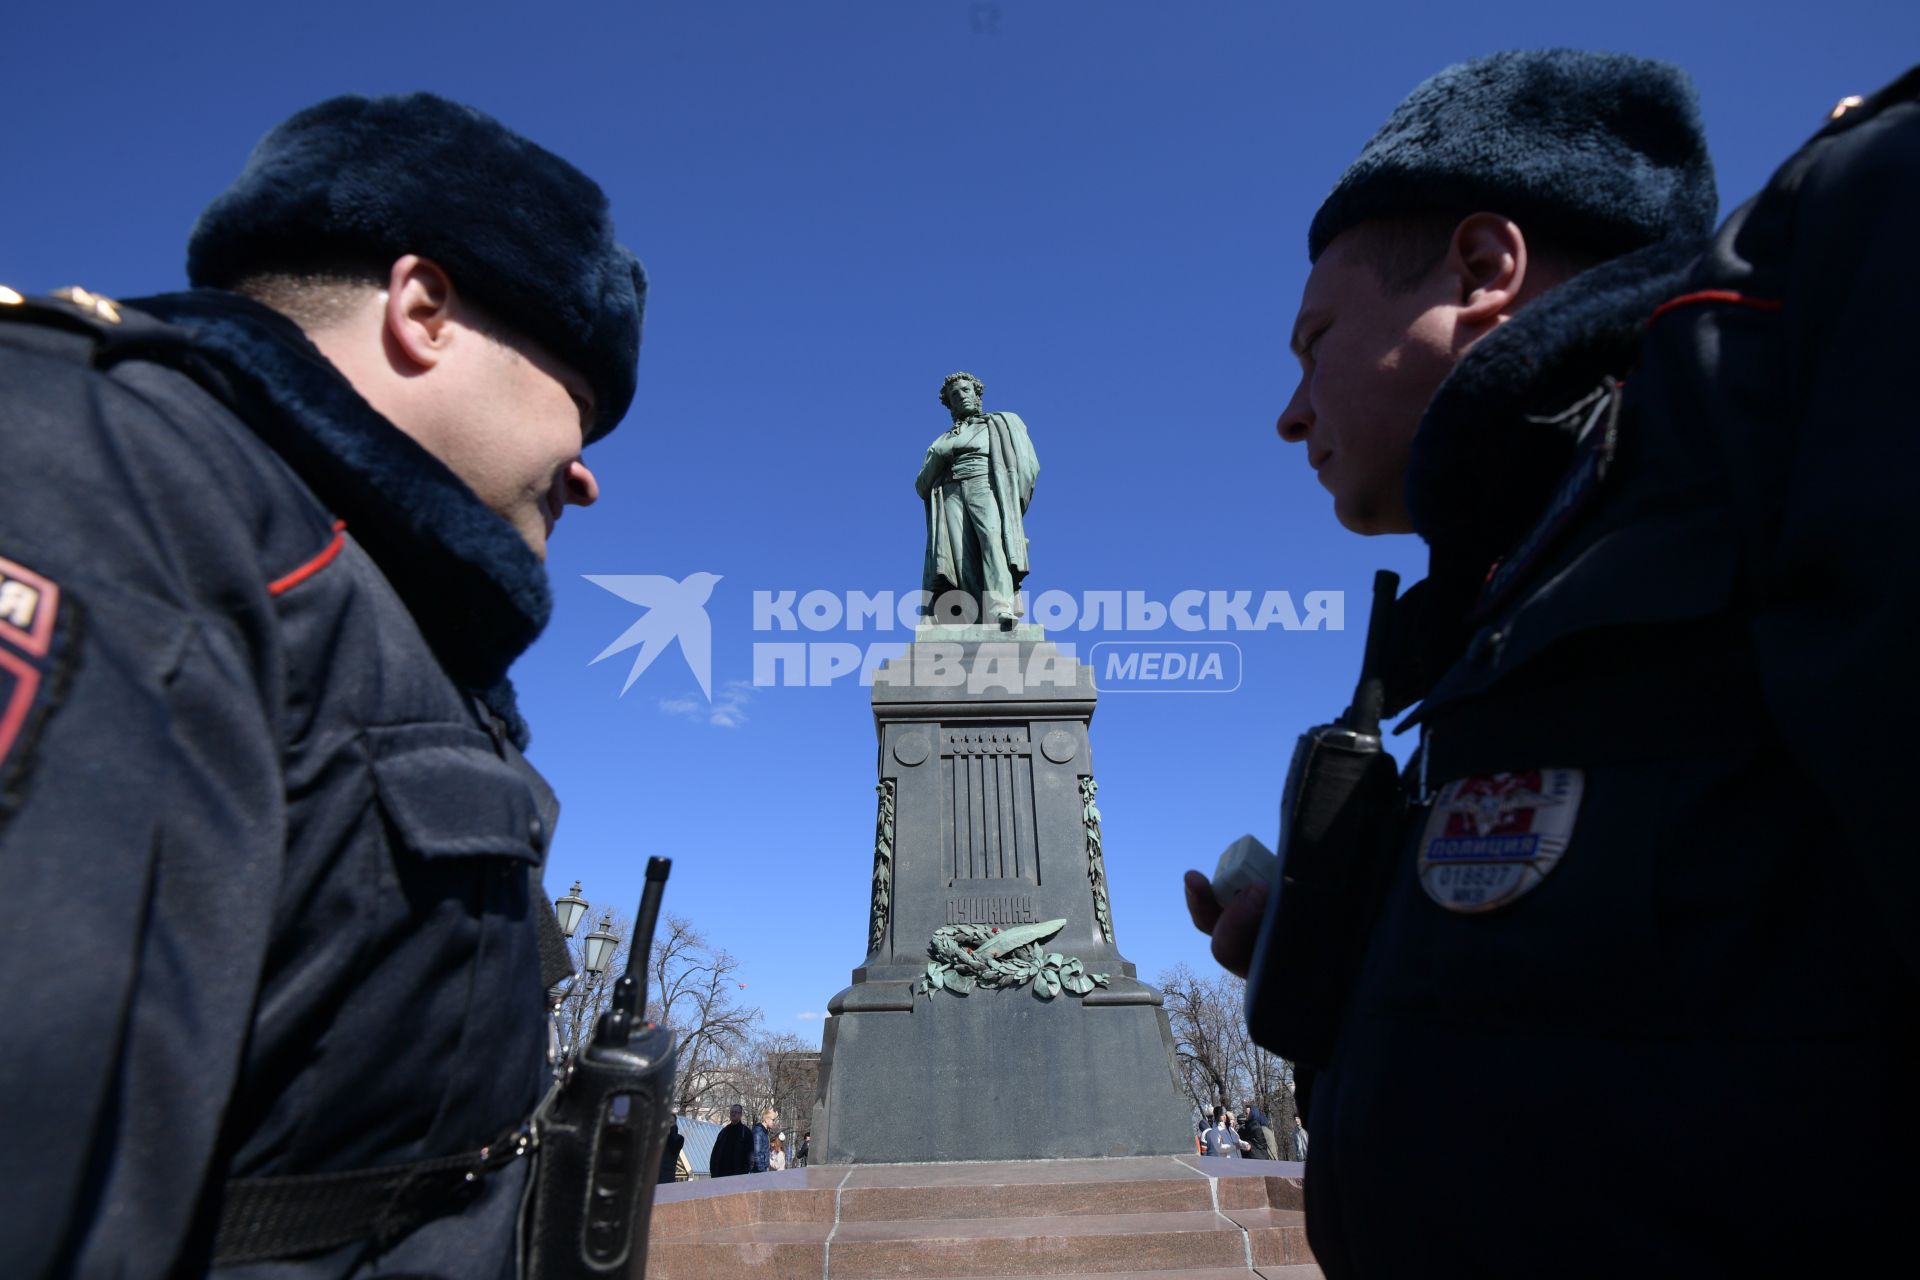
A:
986,818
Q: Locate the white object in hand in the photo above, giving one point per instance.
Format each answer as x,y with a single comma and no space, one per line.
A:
1246,862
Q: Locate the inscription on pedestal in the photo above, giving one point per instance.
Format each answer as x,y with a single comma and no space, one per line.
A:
990,909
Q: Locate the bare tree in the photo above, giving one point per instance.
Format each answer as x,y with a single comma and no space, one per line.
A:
692,990
694,993
1268,1079
1219,1063
1202,1033
781,1071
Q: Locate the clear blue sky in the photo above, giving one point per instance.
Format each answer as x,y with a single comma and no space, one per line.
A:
1099,206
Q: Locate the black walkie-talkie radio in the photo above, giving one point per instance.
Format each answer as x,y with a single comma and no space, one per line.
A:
1337,827
602,1130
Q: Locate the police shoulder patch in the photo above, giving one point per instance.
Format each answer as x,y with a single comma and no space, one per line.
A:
1493,837
37,628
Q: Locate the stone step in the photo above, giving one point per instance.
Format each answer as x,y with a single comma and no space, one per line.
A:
1302,1271
1087,1244
1030,1189
1275,1237
773,1249
1162,1217
1031,1200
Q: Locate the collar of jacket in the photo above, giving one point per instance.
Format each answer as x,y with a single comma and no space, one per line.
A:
1482,464
477,591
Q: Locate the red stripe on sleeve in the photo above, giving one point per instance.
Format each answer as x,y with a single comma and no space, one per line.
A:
289,581
1714,295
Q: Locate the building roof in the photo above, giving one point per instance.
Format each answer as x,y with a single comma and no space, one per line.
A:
699,1149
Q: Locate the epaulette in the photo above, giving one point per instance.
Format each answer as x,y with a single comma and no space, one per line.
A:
116,333
1856,109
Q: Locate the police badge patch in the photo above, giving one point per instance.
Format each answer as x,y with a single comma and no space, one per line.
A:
1491,838
35,633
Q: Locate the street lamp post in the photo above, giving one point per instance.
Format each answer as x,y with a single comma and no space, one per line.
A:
570,909
600,947
596,953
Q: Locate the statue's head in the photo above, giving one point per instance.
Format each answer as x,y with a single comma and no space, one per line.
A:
961,392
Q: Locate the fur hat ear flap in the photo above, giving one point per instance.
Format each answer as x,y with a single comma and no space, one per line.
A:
366,180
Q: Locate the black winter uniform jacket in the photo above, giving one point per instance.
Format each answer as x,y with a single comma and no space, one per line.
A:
269,847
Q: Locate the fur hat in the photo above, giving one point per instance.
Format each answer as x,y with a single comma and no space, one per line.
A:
358,181
1603,149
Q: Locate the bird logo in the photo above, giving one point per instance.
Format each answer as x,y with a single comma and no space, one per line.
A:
674,611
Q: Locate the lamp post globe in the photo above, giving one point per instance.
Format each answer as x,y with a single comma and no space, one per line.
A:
570,909
600,947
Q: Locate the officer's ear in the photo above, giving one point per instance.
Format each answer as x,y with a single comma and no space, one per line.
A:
421,307
1487,264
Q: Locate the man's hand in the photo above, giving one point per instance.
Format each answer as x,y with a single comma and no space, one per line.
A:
1234,928
932,467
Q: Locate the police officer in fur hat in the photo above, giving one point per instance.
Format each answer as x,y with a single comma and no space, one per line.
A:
268,550
1650,869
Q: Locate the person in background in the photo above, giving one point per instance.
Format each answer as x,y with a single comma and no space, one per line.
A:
800,1152
1259,1133
1233,1127
732,1148
762,1137
1219,1139
670,1154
